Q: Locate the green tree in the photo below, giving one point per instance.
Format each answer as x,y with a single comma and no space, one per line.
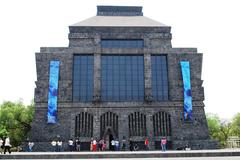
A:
225,132
219,129
15,121
213,125
236,125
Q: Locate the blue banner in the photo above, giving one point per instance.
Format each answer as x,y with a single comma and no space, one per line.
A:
53,92
187,90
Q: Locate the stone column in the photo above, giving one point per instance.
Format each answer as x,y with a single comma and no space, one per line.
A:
97,77
72,125
96,126
147,75
123,129
150,133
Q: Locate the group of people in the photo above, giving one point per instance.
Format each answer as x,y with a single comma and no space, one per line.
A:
101,145
114,145
94,145
75,145
57,145
134,146
5,145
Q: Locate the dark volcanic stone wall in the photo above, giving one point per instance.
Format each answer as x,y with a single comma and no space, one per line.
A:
86,40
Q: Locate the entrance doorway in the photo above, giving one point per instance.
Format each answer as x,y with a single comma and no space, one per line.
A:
108,142
109,136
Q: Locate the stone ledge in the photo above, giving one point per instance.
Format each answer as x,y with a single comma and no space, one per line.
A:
138,154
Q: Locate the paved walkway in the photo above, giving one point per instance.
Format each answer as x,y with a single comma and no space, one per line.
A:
131,155
128,152
182,158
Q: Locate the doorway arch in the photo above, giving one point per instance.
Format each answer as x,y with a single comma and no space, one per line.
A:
109,128
162,128
109,121
108,136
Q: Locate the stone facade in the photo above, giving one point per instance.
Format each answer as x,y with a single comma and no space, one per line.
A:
87,40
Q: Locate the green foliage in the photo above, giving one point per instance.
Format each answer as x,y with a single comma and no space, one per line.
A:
15,121
213,125
236,125
219,129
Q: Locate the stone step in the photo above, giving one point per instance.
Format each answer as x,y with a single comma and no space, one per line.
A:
127,154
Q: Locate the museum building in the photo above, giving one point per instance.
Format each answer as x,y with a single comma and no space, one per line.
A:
120,78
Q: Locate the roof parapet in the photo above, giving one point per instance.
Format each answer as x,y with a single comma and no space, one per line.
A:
119,11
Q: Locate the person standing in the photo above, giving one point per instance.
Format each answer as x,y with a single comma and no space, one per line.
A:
1,145
100,145
163,143
54,144
59,146
117,145
146,143
71,145
104,145
78,145
94,145
124,144
30,146
112,145
130,144
7,146
91,145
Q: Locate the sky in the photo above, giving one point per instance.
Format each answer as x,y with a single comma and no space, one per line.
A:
212,26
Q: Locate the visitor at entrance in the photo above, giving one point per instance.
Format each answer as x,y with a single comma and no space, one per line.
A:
59,146
146,144
163,143
54,145
112,145
30,146
117,145
71,145
130,144
104,146
100,144
94,145
7,146
78,145
1,145
124,144
91,145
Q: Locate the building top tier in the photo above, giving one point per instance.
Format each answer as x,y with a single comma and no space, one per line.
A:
119,11
119,16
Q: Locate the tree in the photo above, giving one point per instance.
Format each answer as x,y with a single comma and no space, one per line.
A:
219,129
225,132
236,125
213,125
15,121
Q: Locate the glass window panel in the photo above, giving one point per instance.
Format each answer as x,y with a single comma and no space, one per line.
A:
76,98
159,77
83,78
120,78
121,60
122,43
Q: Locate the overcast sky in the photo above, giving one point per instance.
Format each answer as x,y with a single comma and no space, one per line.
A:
212,26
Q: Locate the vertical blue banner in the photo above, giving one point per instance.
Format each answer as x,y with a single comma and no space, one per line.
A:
53,92
187,90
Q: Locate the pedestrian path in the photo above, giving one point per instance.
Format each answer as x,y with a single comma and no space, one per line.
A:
125,154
